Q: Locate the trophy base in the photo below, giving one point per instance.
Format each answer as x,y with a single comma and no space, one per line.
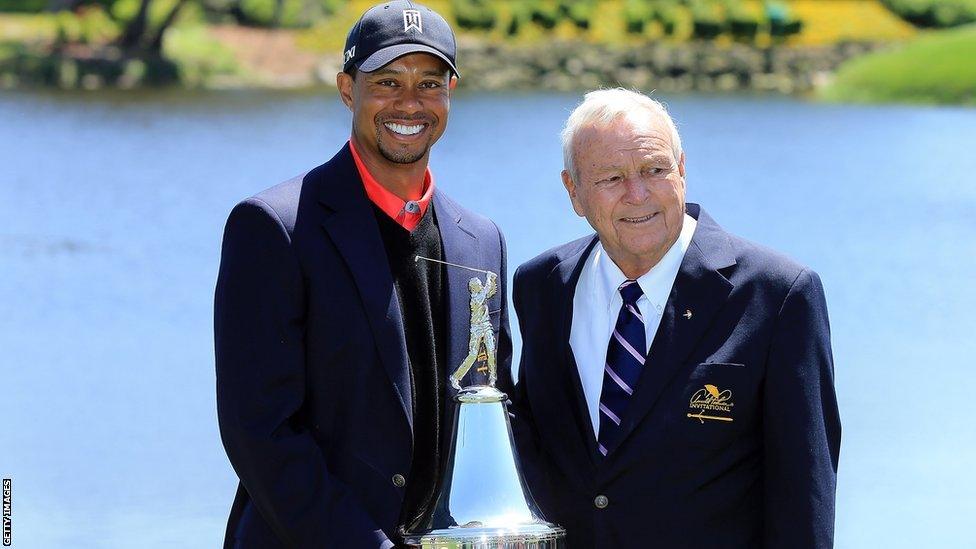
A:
537,536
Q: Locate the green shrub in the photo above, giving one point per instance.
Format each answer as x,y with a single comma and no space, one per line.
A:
474,14
744,28
743,24
912,11
68,28
545,15
23,6
258,12
580,12
782,22
783,29
331,7
198,56
297,13
125,10
95,26
953,14
934,13
667,15
89,26
637,13
514,25
707,22
291,13
520,15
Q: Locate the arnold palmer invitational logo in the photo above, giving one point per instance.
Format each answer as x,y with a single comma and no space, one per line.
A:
711,403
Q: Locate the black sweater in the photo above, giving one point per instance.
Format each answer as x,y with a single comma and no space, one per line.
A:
419,290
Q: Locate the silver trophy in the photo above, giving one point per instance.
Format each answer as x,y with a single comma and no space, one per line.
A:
482,501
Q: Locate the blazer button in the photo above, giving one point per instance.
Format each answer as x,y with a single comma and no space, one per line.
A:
399,481
601,501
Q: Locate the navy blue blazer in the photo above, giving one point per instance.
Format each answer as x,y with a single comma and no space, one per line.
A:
763,477
313,387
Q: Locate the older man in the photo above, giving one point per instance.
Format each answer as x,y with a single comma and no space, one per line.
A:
333,344
676,384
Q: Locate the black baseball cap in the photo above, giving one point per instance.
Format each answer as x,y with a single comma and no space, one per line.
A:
394,29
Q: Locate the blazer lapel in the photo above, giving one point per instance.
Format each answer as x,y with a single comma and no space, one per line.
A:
351,225
460,247
564,390
698,293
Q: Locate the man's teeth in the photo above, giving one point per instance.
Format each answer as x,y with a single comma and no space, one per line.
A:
404,129
638,219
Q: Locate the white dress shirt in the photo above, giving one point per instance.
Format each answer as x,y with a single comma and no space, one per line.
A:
597,303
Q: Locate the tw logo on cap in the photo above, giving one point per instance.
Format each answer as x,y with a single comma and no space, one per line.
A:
411,20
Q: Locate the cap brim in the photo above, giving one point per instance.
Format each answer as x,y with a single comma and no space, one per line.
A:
386,55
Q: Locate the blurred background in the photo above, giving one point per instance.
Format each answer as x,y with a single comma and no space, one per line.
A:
838,131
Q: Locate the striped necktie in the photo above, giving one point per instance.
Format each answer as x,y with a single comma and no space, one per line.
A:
625,360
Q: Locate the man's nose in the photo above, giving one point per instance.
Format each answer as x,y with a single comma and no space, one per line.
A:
409,100
636,190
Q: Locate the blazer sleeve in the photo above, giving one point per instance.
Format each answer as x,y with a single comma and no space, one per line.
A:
524,428
259,329
504,358
801,423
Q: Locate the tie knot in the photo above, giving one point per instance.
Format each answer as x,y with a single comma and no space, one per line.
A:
631,292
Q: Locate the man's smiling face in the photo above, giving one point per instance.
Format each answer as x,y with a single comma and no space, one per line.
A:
401,109
630,187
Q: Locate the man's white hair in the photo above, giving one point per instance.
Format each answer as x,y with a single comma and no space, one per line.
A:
600,108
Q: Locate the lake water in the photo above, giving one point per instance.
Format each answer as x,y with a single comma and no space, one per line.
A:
111,212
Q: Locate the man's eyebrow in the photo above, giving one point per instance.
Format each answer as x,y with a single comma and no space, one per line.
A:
604,168
661,156
385,72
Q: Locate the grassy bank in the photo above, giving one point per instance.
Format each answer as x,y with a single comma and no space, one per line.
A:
740,42
934,68
824,23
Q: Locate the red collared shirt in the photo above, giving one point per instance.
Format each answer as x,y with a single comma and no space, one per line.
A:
406,213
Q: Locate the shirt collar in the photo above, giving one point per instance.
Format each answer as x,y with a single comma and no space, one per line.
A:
406,213
655,283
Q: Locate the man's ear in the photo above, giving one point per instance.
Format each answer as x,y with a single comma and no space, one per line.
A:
571,190
452,83
681,165
345,83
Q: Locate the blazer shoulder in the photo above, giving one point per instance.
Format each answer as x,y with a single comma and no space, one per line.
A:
281,200
543,264
746,263
537,269
482,225
758,263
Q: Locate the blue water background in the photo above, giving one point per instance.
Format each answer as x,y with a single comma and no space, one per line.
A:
111,212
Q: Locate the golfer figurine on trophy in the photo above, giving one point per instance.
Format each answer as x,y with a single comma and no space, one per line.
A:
482,501
481,330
